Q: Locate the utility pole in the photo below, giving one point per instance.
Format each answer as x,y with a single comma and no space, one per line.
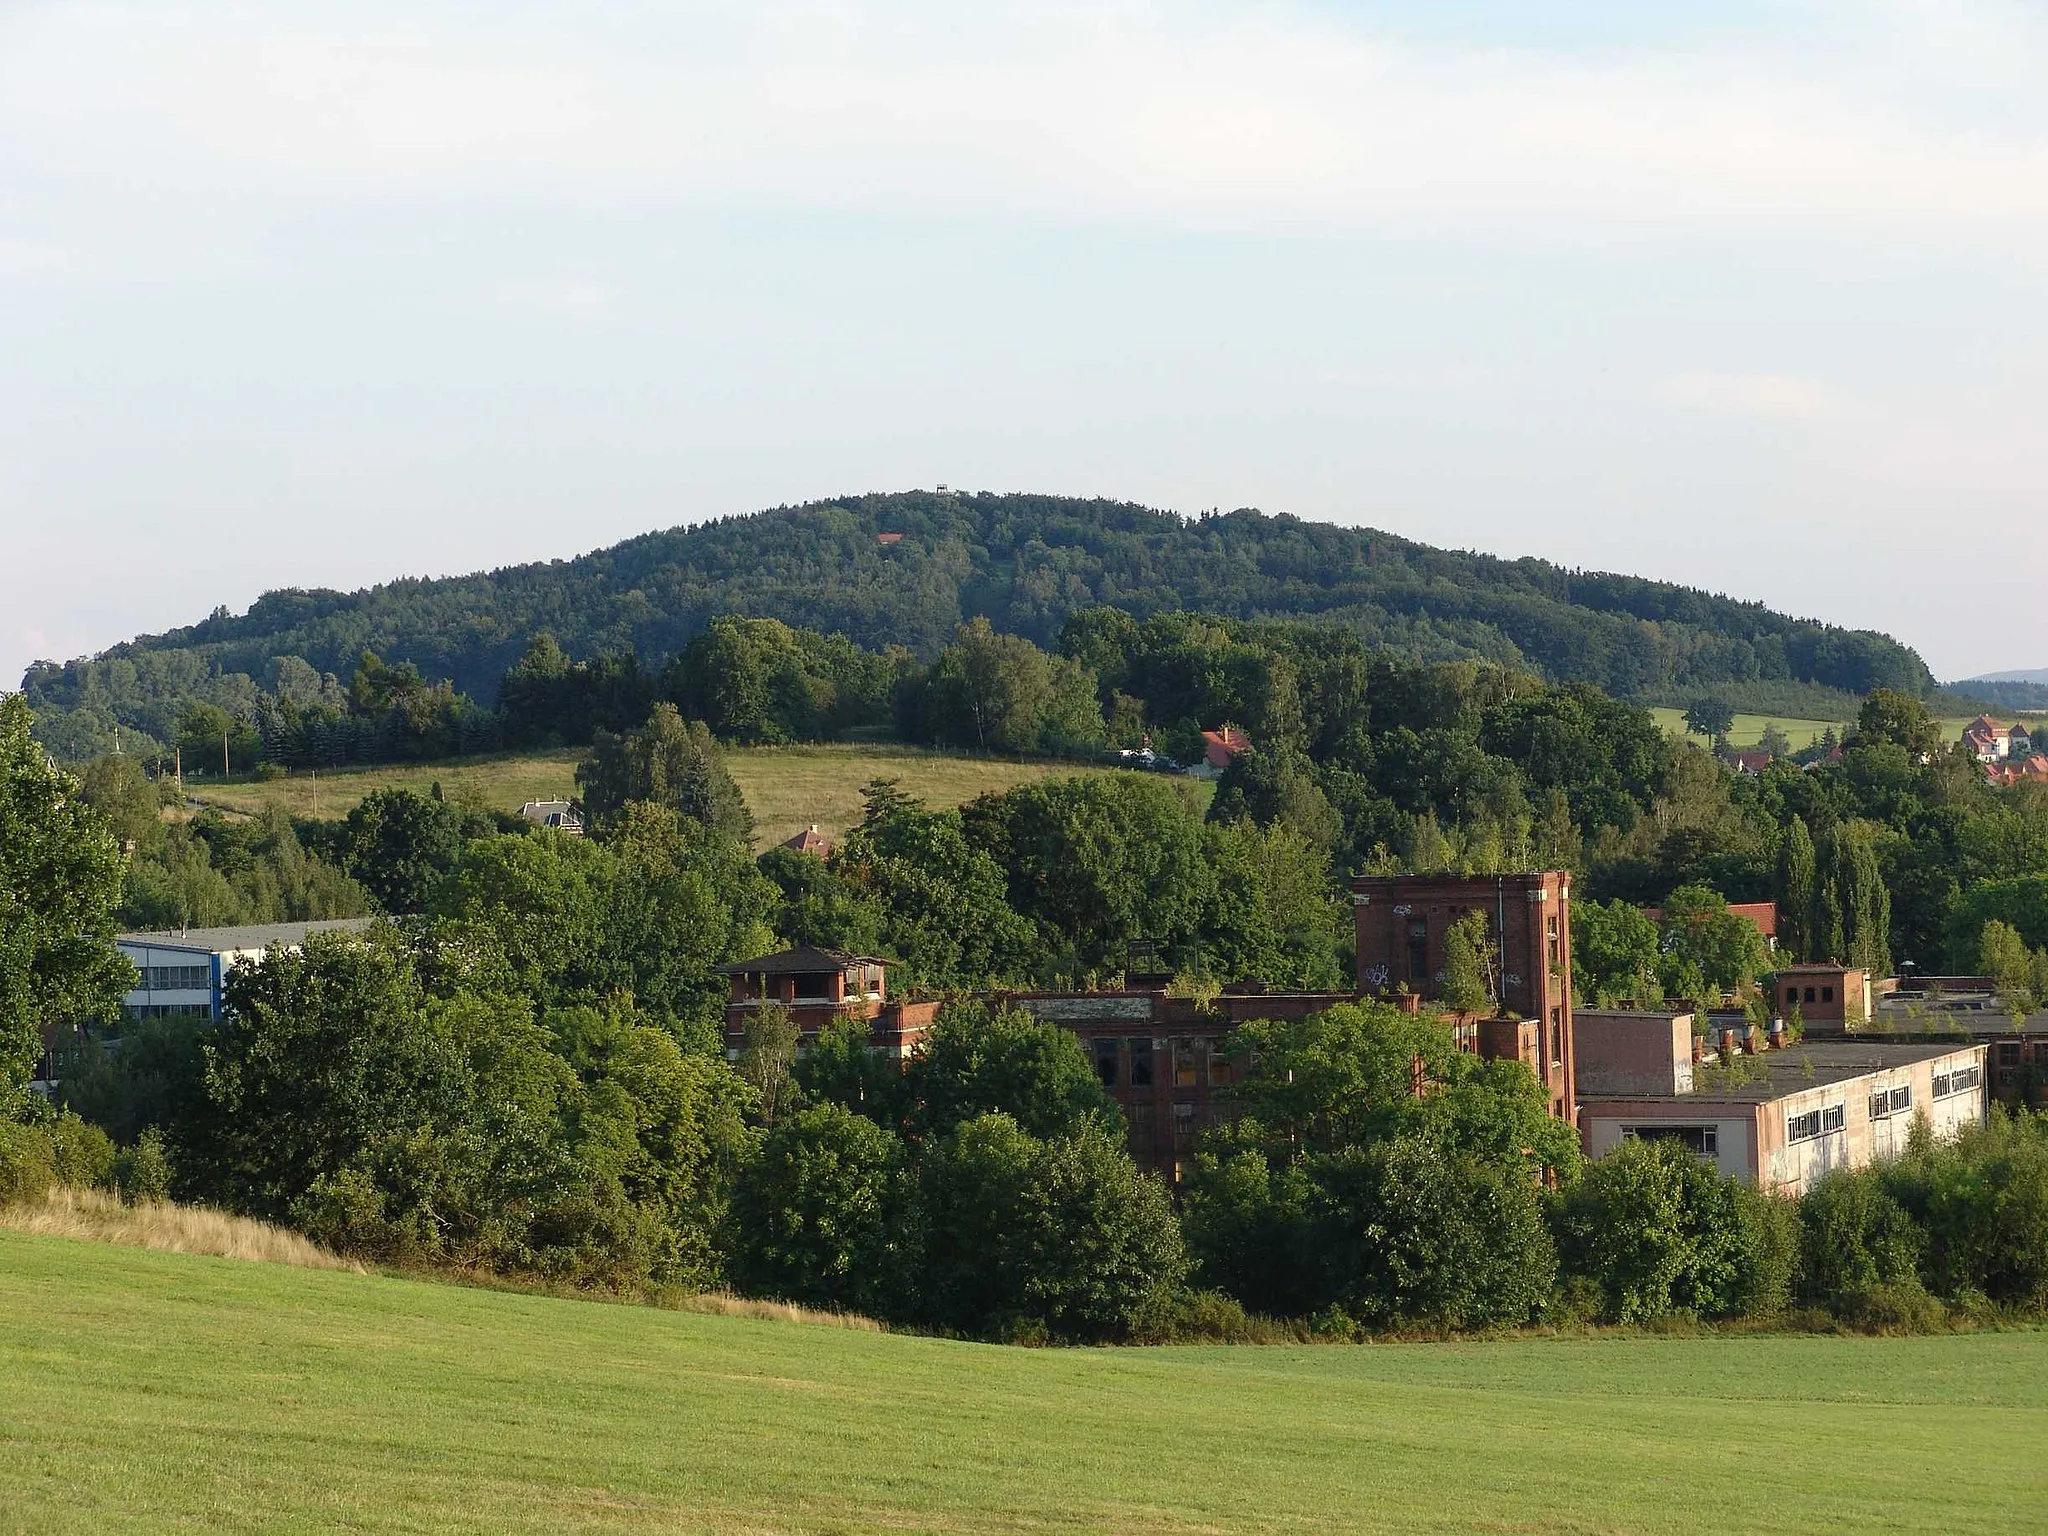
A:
224,751
178,763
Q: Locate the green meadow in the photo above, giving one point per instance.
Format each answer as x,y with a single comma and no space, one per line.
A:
151,1391
787,788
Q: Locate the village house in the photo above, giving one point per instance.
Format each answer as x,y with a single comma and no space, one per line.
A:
1990,742
1220,748
810,841
559,814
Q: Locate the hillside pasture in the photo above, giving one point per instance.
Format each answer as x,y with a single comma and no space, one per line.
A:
149,1391
787,788
1749,729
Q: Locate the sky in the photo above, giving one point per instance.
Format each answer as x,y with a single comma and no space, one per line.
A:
1754,299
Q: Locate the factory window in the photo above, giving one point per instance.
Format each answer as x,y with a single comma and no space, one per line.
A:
1832,1118
1557,1037
1827,994
1183,1062
1219,1064
1902,1100
1791,996
1881,1102
175,978
1802,1127
1140,1118
1963,1079
1702,1140
1105,1062
1183,1127
1141,1063
1418,950
1809,994
2008,1053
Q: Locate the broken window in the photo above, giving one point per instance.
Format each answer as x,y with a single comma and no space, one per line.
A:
1105,1062
1141,1062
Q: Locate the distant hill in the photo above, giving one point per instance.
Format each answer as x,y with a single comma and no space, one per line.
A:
2025,689
1025,562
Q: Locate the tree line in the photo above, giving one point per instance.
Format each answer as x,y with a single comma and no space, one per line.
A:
1025,564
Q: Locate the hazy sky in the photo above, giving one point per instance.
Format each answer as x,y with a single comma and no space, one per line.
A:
324,295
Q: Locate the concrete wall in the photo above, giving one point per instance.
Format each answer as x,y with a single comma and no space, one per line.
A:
1734,1130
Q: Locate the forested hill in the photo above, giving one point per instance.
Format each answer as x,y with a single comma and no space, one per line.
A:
1024,562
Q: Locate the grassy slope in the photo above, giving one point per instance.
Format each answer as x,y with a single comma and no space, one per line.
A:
1801,733
147,1390
787,788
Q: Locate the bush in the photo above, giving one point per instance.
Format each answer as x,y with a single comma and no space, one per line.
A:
1411,1233
825,1217
143,1172
1061,1240
1858,1246
81,1155
27,1169
1656,1231
1982,1204
1211,1317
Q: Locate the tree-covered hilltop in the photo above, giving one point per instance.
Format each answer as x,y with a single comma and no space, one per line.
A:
1025,563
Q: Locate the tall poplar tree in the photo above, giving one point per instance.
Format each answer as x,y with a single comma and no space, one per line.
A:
1795,891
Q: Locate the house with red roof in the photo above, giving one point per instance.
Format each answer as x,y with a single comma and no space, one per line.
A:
1220,748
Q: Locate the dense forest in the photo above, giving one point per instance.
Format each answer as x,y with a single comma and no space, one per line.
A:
1024,563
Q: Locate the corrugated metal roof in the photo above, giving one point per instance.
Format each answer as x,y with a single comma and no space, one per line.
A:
251,936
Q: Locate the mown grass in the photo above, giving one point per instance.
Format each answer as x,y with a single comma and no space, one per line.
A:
145,1391
787,788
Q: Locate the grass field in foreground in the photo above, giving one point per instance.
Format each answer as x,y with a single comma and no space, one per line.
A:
787,788
143,1391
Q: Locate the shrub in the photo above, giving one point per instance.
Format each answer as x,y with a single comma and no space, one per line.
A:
27,1169
81,1155
143,1172
1981,1203
1656,1231
825,1216
1858,1246
1412,1233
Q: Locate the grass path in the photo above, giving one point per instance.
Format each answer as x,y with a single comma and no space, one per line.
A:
145,1391
787,788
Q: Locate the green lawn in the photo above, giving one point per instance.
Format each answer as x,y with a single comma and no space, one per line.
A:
787,788
143,1391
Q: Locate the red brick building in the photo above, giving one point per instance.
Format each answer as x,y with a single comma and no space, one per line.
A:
818,987
1823,994
1403,921
1162,1058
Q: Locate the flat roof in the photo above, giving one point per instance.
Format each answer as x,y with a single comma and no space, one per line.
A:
1799,1069
1664,1014
214,941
